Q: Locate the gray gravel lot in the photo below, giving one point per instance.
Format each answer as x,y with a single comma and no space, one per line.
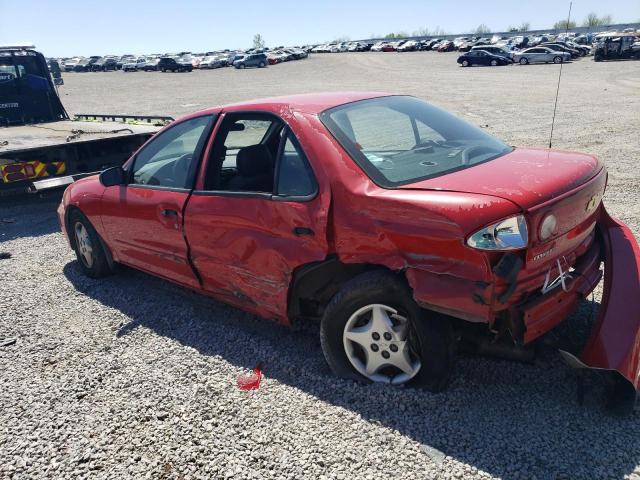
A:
135,377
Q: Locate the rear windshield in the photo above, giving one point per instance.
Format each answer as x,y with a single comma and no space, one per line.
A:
401,140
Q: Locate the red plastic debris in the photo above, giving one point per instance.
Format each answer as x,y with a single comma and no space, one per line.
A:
252,381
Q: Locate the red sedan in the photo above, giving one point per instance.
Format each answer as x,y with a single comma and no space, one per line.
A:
397,225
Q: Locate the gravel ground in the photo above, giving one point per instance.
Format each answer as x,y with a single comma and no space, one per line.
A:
133,377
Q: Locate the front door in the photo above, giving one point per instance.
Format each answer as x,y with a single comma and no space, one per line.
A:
258,215
143,220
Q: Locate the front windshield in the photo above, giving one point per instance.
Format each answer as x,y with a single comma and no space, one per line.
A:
399,140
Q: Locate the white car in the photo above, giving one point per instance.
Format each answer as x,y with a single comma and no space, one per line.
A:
339,47
70,64
408,46
134,65
211,61
378,46
459,41
540,55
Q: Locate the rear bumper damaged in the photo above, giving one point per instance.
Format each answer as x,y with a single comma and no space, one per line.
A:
614,345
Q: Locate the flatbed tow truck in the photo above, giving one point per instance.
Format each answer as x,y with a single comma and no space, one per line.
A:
41,147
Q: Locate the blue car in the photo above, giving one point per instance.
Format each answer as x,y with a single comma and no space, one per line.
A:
480,57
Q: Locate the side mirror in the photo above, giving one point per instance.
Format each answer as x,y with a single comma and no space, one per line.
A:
112,176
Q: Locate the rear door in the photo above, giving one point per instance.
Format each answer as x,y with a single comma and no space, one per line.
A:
247,235
143,220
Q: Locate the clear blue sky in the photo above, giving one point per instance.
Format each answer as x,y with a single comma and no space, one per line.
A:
98,27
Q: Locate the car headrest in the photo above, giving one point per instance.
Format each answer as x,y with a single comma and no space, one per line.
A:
254,160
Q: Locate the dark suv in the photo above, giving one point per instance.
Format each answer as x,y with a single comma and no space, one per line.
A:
252,60
169,63
104,64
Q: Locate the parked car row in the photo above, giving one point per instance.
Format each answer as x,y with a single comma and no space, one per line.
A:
542,49
183,61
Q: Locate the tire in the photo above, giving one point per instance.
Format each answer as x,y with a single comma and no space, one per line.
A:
524,61
242,66
465,63
88,246
494,63
261,65
557,60
429,337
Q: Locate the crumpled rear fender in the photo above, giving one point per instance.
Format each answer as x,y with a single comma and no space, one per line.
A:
614,344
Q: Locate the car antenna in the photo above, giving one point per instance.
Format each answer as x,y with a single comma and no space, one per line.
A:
555,106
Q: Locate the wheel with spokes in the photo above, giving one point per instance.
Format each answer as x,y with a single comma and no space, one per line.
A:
373,330
88,247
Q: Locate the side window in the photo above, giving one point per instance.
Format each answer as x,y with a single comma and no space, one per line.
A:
295,177
242,134
243,155
170,159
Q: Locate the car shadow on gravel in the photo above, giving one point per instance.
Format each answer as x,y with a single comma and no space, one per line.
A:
28,216
507,419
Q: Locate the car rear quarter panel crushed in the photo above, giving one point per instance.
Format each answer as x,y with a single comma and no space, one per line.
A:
419,232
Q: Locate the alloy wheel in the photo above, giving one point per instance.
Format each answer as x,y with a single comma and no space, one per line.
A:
376,340
83,244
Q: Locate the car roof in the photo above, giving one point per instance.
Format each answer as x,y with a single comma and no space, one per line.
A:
312,103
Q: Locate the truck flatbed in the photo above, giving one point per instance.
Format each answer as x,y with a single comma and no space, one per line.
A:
25,137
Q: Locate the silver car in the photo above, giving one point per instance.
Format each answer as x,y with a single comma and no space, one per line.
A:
540,55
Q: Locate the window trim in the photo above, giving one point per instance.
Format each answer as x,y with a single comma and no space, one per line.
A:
198,154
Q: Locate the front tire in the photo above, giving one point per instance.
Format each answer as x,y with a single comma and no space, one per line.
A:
524,61
494,63
372,330
465,63
88,246
557,60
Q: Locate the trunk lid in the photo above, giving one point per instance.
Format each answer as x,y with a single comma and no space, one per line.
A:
528,177
541,182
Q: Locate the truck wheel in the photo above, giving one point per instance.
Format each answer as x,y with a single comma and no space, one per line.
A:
373,330
557,59
524,61
88,247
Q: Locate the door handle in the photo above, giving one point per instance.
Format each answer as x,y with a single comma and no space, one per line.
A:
299,231
167,212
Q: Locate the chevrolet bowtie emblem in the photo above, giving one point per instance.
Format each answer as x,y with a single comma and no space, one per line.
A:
592,203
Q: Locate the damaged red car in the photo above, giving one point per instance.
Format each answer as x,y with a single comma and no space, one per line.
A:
392,222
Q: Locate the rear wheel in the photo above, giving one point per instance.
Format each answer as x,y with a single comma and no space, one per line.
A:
524,61
557,59
89,250
373,330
